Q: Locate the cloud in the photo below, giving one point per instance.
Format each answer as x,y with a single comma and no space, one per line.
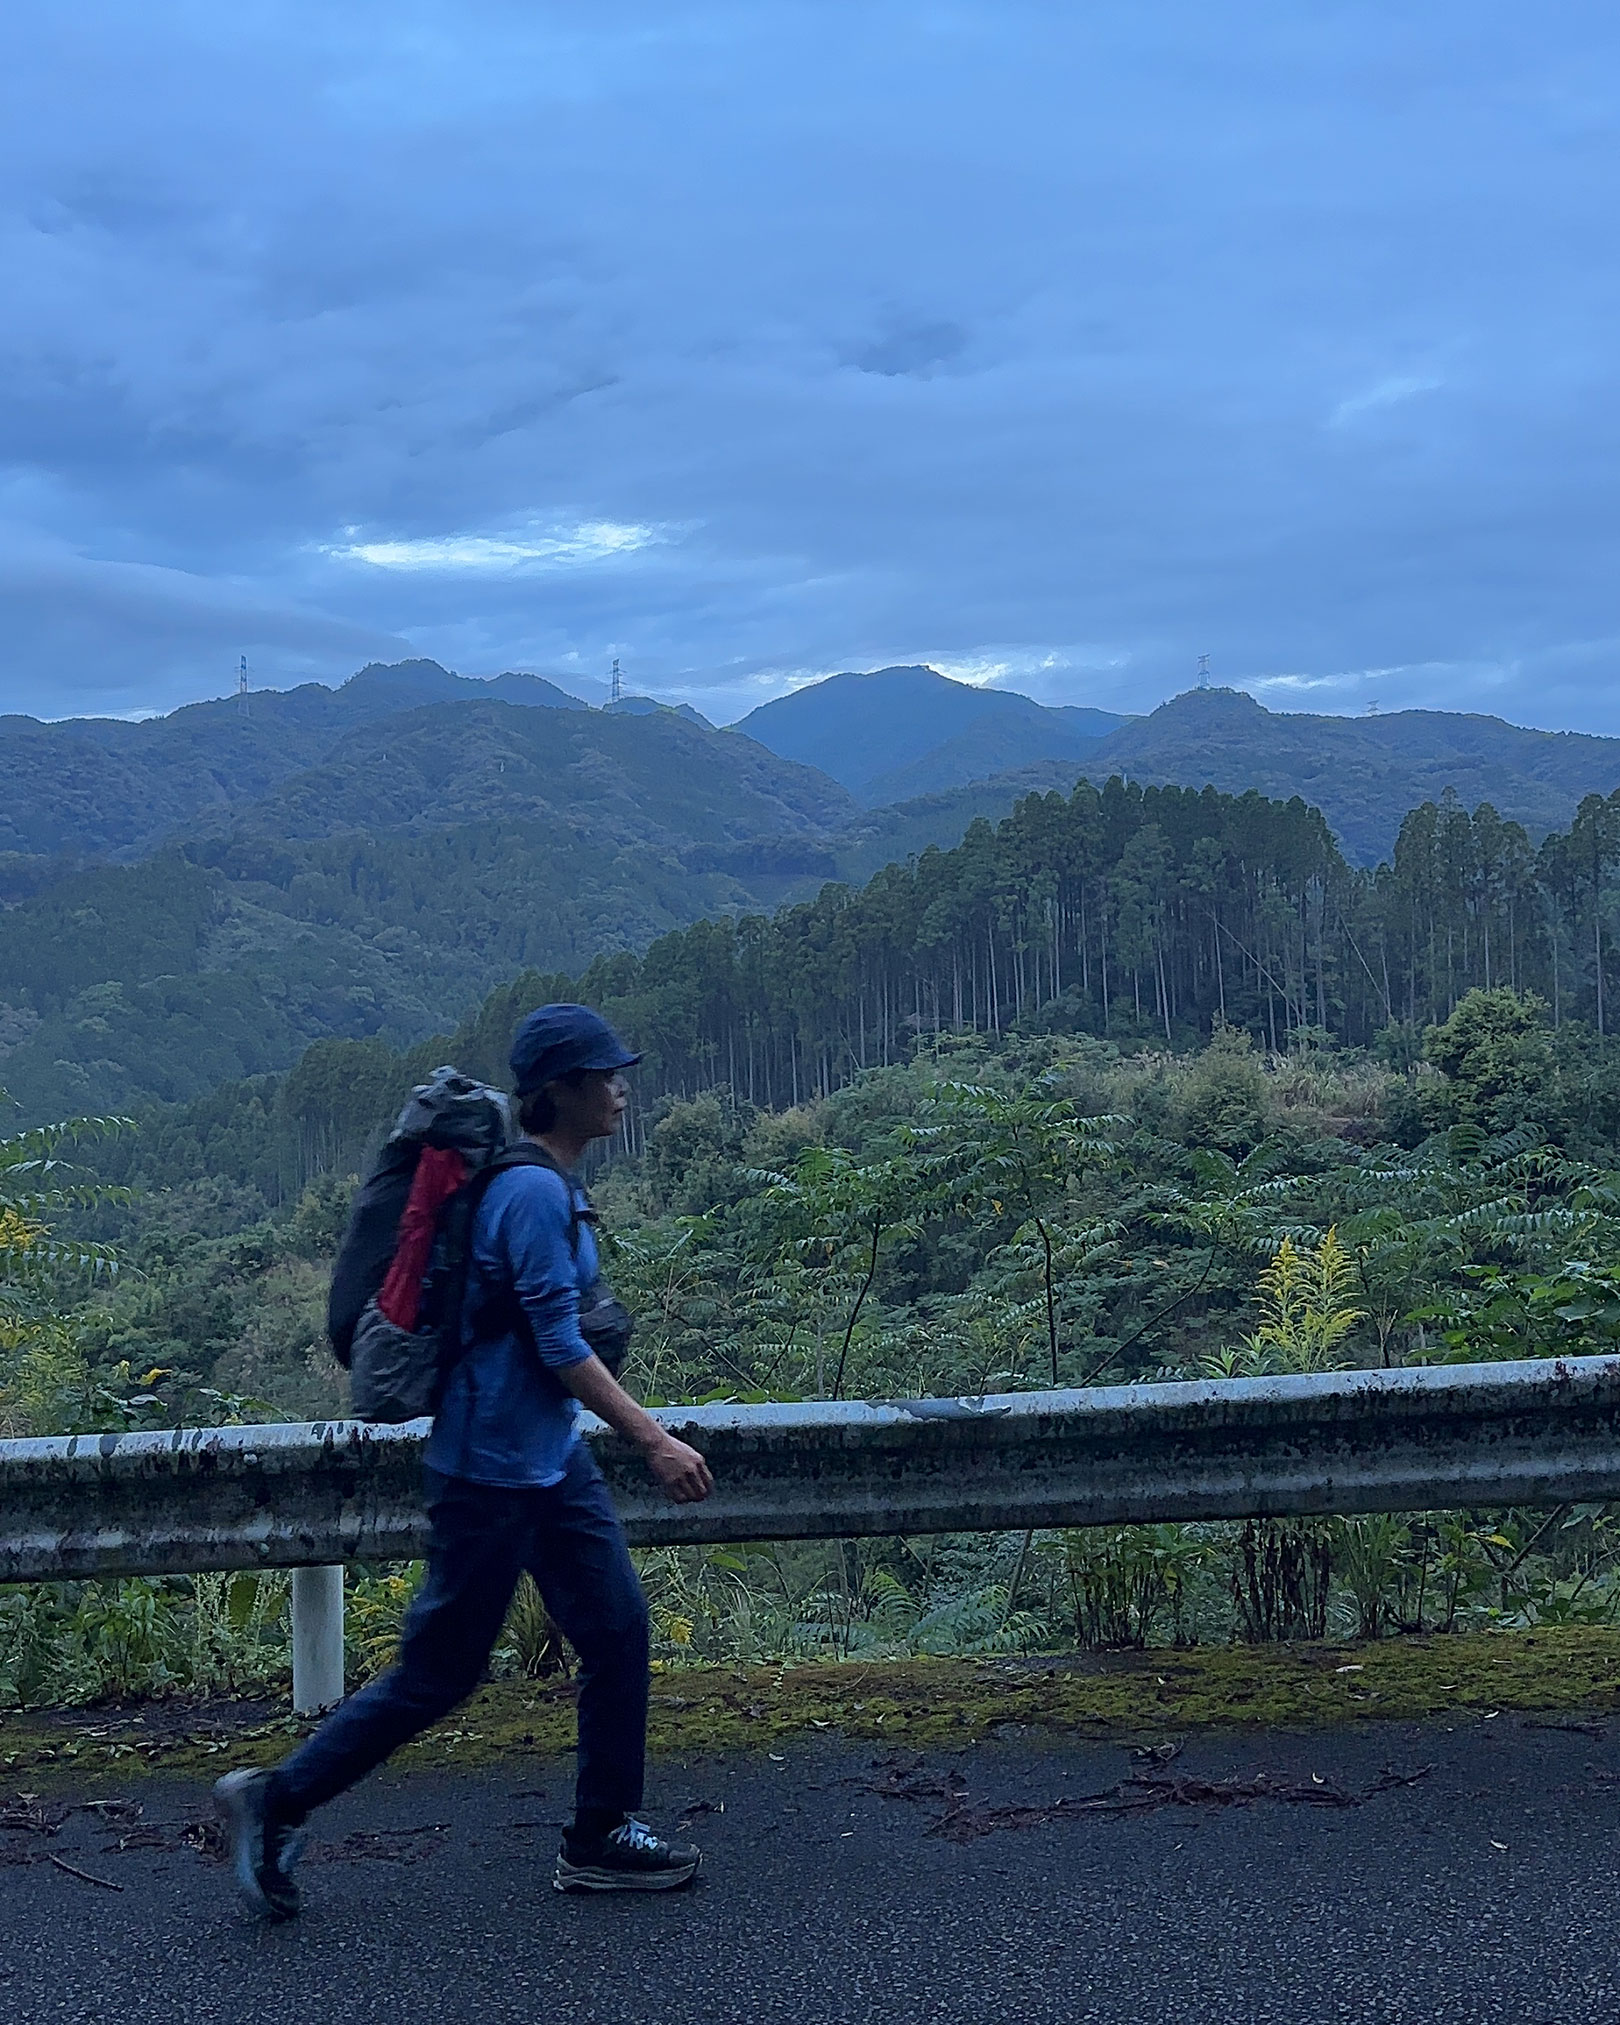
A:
594,541
911,350
740,342
1385,393
119,639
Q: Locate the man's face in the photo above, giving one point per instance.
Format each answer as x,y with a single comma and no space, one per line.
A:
590,1105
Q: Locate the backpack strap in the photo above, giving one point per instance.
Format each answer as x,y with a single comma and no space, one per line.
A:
529,1153
604,1322
504,1305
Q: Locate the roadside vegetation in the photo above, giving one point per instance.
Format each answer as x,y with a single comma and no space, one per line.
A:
997,1212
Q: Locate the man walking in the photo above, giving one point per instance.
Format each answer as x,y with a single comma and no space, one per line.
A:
511,1487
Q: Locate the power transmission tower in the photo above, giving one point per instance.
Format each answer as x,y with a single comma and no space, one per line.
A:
618,680
1203,671
242,686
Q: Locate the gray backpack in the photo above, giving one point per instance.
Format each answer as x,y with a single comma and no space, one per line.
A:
398,1374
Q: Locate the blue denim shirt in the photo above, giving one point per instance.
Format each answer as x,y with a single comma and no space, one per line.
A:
505,1417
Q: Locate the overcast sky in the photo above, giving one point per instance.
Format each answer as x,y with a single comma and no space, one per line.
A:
1054,345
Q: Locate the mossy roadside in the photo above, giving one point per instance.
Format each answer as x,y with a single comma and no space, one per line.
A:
917,1702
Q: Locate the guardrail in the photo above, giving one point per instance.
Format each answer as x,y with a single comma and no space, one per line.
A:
311,1497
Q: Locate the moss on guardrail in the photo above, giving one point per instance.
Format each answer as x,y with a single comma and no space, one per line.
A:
1134,1696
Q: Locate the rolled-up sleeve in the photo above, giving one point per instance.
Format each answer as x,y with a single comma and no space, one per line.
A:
534,1234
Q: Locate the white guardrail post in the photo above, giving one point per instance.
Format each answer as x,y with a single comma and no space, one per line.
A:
317,1639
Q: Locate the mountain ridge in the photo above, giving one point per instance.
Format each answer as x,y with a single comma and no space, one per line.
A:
449,764
893,733
105,787
429,852
1364,773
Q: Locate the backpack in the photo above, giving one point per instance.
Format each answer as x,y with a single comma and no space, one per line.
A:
394,1314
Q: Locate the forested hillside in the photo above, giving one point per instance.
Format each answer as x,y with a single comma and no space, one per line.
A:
225,956
1365,773
628,778
888,836
1144,917
94,787
431,849
1136,913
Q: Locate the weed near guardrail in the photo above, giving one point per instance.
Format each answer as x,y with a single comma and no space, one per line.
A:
1109,1587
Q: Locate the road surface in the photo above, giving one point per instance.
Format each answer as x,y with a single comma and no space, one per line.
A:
1422,1872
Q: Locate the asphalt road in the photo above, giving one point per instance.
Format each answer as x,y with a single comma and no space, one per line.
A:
1487,1889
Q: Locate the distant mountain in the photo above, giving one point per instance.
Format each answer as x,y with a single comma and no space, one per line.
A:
1363,773
910,735
381,688
194,899
427,854
901,732
644,706
97,787
623,776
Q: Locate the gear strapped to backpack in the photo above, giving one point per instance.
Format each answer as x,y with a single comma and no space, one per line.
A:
395,1311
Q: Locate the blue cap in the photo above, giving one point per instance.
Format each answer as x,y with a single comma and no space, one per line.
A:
557,1039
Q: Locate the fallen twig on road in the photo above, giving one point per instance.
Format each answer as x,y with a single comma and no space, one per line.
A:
25,1815
1140,1793
73,1870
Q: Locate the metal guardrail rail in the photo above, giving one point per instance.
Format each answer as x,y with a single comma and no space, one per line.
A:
1357,1441
312,1497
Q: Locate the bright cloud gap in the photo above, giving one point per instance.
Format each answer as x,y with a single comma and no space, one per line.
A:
561,548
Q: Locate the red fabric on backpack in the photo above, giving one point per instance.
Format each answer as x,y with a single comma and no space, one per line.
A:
439,1173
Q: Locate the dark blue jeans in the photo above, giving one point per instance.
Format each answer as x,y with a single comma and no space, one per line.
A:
483,1537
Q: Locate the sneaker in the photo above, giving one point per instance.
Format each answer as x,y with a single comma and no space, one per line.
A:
628,1858
262,1852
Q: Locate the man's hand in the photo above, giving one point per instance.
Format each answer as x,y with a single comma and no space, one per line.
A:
679,1471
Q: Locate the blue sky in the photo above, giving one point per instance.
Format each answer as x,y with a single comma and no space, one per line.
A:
1053,345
